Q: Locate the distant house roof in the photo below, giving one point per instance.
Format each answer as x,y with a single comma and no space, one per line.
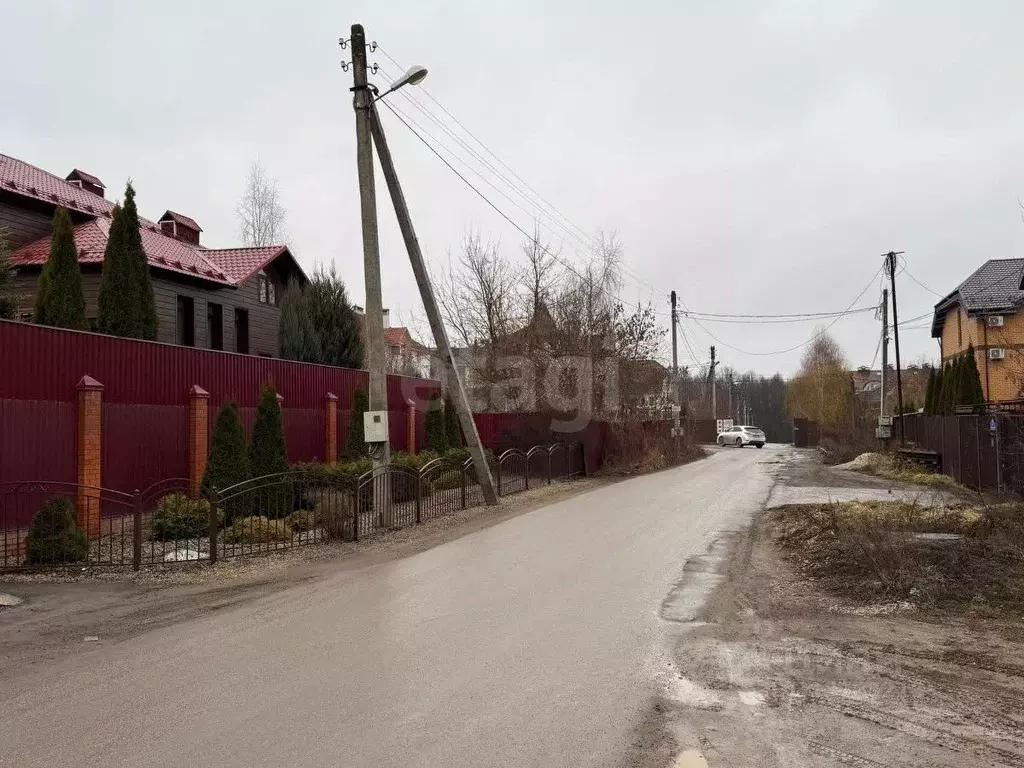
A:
994,287
228,266
181,219
78,173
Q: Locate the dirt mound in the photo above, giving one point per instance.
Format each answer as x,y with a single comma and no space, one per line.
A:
867,462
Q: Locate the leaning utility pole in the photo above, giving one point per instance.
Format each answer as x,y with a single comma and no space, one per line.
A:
714,387
412,245
675,365
885,348
890,258
361,100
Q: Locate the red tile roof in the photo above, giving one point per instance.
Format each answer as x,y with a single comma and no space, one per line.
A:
162,251
229,266
87,177
181,219
397,336
28,181
239,264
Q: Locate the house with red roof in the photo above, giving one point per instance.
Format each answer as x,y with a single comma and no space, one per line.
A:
404,355
216,298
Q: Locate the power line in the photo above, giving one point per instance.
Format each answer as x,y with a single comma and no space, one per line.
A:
803,318
936,293
705,315
588,241
409,123
480,194
811,340
487,149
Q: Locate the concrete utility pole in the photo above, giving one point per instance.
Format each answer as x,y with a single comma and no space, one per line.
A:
890,258
675,364
885,348
731,411
714,386
375,354
412,245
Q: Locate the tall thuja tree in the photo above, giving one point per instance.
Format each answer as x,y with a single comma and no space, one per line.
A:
119,292
8,303
936,408
126,304
334,320
140,266
929,393
268,455
437,436
956,388
228,463
973,393
356,447
298,338
59,298
451,424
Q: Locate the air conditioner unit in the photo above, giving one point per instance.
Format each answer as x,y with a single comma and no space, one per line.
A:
997,353
995,321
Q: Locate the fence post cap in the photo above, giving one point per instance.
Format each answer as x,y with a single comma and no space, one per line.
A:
88,384
198,392
331,397
411,403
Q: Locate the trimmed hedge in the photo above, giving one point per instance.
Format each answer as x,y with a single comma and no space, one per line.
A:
55,538
179,517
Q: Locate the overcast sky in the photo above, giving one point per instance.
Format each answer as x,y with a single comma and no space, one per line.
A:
756,157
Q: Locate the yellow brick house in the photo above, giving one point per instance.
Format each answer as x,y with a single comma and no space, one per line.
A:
987,310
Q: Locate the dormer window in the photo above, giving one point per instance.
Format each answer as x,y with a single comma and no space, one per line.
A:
266,290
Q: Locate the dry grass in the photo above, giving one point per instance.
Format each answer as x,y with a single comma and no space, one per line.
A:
893,468
633,448
875,551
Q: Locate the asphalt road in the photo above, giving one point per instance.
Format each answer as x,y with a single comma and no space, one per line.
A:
535,642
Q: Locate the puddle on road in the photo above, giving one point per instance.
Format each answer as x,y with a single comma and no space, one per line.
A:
691,758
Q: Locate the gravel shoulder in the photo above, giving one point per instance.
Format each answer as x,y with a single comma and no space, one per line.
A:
776,672
60,610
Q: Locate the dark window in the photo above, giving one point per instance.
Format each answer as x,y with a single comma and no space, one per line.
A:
215,325
186,321
242,331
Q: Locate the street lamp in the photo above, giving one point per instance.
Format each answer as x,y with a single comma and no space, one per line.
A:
413,76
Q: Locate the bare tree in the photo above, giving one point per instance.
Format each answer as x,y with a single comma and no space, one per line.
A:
478,293
260,213
541,274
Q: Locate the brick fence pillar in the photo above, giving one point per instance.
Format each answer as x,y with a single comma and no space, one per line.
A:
331,432
90,448
411,426
198,437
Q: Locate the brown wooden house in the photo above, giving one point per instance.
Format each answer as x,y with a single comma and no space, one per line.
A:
217,298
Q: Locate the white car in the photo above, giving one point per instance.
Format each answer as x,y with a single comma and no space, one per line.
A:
740,436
